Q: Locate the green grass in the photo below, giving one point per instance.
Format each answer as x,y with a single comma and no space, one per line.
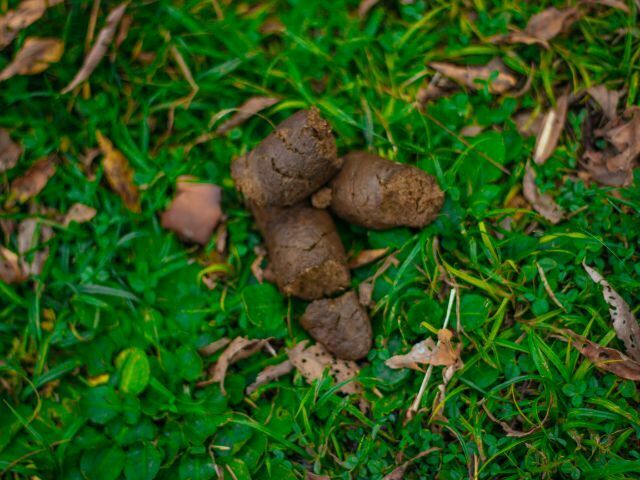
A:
121,282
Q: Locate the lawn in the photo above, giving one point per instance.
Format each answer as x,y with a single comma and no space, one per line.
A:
102,327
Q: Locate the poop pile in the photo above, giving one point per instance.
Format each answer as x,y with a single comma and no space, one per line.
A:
290,181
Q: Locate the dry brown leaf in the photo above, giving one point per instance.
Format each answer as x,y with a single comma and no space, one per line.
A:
32,234
399,471
79,213
365,257
543,203
427,352
100,47
239,349
34,180
272,25
617,4
256,265
195,210
447,375
269,374
471,130
614,165
605,358
528,123
543,27
9,151
474,76
119,173
34,57
312,361
552,126
10,269
607,99
437,87
365,6
624,323
313,476
213,347
26,13
245,111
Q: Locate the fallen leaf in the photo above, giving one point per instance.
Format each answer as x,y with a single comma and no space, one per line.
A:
313,476
614,165
195,210
624,323
437,87
34,180
245,111
447,375
474,76
213,347
542,27
427,352
605,358
399,471
9,151
365,257
269,374
607,99
271,25
552,126
123,31
119,173
34,57
543,203
312,361
256,265
617,4
528,123
26,13
365,6
471,130
239,349
10,269
32,234
79,213
100,47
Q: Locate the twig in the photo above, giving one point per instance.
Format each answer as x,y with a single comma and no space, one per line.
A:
416,403
547,287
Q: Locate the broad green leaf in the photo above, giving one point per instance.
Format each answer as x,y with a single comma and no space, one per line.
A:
142,463
102,464
133,365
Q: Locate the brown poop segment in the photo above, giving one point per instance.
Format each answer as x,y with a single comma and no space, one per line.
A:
373,192
306,255
296,159
341,324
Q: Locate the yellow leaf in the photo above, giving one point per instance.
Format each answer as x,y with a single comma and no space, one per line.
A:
34,57
119,173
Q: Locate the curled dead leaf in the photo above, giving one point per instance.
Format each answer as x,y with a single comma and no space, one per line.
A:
500,79
528,123
543,203
34,179
32,238
607,99
119,173
9,151
195,210
552,127
365,257
239,349
311,363
605,358
100,47
365,6
34,57
427,352
624,323
543,27
79,213
213,347
25,14
269,374
245,111
10,269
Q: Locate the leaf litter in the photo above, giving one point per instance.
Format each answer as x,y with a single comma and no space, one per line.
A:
550,130
244,112
34,57
99,49
119,173
10,151
543,203
24,15
498,77
34,180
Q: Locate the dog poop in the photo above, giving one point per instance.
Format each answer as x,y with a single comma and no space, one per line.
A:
341,324
376,193
296,159
306,255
